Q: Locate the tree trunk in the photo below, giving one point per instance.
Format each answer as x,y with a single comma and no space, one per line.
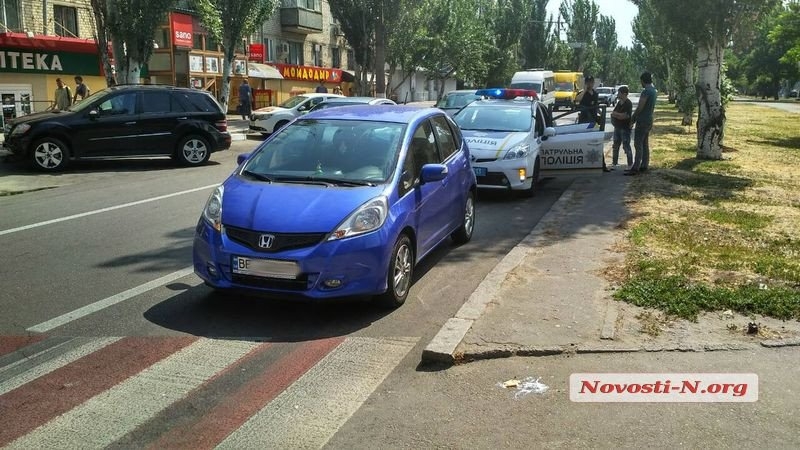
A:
380,55
225,90
688,80
120,60
711,115
101,38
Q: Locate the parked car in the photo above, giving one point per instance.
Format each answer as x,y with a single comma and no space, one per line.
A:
350,101
606,95
271,118
341,202
123,121
455,100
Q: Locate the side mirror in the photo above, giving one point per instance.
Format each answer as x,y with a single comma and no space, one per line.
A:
94,114
549,132
433,172
242,158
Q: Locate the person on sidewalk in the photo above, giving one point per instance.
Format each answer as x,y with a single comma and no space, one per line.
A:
621,119
245,100
81,90
62,98
321,88
643,118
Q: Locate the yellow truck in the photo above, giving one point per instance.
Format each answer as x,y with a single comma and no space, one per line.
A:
568,84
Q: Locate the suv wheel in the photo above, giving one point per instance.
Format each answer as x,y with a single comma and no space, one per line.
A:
193,150
49,154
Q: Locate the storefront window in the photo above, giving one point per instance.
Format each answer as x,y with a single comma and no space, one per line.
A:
10,14
197,41
161,38
296,53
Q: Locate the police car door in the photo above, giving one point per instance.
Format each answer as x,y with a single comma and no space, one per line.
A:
570,148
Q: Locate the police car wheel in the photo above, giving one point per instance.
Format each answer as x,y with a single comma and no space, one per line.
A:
531,191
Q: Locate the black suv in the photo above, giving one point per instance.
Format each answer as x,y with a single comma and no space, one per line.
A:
123,121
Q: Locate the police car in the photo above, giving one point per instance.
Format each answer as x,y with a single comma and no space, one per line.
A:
512,139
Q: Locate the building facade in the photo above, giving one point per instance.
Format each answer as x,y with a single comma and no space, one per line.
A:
40,41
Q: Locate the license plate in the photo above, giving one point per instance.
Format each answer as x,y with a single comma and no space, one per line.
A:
265,268
480,171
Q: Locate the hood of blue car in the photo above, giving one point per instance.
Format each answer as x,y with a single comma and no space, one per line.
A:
290,208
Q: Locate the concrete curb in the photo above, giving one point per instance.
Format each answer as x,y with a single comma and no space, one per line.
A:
442,348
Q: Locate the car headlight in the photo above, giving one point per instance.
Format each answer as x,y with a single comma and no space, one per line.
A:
517,152
20,129
368,217
213,210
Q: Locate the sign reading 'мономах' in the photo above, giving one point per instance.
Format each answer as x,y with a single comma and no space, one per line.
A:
31,61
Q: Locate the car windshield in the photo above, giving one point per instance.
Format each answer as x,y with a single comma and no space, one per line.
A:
456,100
331,151
293,101
565,86
494,118
91,100
536,86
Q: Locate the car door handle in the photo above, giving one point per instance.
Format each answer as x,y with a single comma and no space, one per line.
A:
130,123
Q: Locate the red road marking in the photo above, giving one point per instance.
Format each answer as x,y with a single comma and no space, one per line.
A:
39,401
9,344
209,430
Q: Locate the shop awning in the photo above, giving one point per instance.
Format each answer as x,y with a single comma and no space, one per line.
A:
258,70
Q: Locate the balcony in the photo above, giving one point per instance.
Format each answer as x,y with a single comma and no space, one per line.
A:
300,20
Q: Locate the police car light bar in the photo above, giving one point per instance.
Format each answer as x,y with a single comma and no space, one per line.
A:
506,94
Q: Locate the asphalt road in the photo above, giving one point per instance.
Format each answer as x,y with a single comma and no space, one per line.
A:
107,253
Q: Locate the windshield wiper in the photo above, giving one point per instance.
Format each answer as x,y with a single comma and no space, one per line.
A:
257,176
341,182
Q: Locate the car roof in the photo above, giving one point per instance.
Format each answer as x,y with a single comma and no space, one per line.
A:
353,99
462,91
386,113
320,94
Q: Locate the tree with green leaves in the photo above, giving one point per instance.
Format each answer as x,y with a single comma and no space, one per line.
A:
101,37
132,26
405,43
229,22
357,20
606,41
538,38
711,24
506,20
787,31
581,17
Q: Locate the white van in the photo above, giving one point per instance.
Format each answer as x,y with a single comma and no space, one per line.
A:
542,81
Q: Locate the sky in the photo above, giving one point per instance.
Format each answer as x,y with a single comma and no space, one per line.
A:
622,11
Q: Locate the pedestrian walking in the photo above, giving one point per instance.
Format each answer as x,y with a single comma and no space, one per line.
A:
621,119
321,88
62,99
81,90
643,118
245,99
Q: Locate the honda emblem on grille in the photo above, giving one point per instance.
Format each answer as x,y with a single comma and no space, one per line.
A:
266,240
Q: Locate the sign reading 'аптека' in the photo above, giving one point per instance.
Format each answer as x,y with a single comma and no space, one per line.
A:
22,61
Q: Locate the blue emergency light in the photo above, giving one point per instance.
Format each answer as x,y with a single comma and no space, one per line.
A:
506,94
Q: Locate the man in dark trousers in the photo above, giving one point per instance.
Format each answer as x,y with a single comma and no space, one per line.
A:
245,99
588,102
643,118
621,119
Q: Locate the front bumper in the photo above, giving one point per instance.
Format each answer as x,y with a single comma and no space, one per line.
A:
505,174
360,263
17,145
265,125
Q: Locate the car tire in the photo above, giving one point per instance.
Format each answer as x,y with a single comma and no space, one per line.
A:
531,191
399,275
464,233
193,150
49,155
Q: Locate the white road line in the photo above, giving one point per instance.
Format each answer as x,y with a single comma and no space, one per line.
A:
93,345
108,416
99,211
109,301
313,408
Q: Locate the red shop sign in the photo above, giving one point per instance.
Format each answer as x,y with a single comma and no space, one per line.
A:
181,30
256,53
307,73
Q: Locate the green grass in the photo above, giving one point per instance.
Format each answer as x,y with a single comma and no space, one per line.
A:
714,235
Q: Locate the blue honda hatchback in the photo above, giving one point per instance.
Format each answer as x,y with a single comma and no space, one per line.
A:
342,202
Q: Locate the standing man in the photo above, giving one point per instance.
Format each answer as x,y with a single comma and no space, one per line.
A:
588,102
245,99
63,97
321,88
621,119
643,118
81,90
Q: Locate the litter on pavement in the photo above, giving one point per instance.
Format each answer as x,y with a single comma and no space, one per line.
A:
529,385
